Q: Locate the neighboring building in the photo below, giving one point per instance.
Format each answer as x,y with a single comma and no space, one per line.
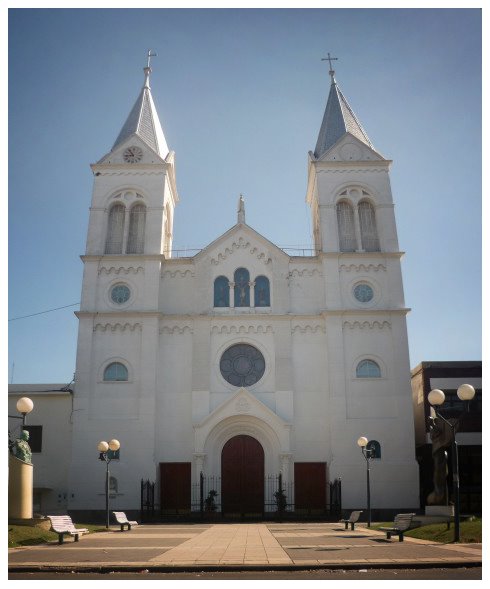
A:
50,436
242,361
448,376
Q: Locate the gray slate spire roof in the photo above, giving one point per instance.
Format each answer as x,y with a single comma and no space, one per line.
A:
339,118
143,121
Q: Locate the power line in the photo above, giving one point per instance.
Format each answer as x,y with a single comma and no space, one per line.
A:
42,312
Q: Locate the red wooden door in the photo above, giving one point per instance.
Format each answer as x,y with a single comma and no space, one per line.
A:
175,485
242,476
310,486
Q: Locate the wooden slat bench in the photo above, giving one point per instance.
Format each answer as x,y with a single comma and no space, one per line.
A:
62,524
400,525
352,519
122,520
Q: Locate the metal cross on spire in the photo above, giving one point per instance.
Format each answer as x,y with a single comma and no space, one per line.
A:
149,56
330,59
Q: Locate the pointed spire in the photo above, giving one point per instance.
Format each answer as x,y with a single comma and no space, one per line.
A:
338,119
143,119
241,210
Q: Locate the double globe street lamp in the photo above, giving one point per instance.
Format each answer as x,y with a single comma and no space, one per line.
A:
104,448
369,454
436,398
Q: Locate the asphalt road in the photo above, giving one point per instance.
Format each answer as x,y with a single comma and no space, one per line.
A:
441,574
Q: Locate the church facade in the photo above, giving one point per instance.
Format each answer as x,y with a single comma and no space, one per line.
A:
242,362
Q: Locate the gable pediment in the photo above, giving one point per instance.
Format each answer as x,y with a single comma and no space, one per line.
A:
241,240
349,148
116,156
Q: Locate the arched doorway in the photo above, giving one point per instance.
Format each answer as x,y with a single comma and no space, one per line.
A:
242,476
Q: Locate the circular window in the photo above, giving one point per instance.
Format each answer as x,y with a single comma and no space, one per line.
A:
242,365
363,293
120,294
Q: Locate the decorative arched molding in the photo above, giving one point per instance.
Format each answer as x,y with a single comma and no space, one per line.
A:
304,272
242,414
176,329
362,267
366,324
180,273
121,270
243,329
308,328
113,327
241,244
349,170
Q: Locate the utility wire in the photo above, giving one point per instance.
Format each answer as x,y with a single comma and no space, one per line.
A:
42,312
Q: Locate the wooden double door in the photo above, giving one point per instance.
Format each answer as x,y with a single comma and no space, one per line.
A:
242,476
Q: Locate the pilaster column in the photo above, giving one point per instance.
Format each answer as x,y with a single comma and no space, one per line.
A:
232,294
285,459
252,294
199,459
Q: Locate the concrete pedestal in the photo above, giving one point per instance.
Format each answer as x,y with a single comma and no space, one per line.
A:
444,510
20,489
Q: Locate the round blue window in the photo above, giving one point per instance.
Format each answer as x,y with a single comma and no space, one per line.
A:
242,365
363,293
120,294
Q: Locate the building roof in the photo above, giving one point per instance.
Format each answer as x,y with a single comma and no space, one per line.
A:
143,121
339,119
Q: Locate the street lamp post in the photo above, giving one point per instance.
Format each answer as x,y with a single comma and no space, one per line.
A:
368,454
436,398
24,406
103,448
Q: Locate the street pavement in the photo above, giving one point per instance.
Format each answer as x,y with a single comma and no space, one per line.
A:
240,546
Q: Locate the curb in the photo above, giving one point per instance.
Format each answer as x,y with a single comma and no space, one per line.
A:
144,567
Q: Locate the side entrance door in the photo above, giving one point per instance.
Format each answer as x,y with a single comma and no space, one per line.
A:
242,477
310,487
175,485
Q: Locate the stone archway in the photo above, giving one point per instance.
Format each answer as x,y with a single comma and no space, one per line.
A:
242,476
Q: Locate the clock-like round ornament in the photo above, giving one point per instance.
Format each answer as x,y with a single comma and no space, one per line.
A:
120,294
363,293
133,154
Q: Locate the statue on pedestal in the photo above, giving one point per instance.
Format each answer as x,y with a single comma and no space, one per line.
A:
441,436
20,447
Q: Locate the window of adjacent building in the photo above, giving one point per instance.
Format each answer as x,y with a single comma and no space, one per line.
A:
367,224
35,437
113,454
346,227
221,292
136,236
115,230
242,287
368,369
262,292
116,372
376,447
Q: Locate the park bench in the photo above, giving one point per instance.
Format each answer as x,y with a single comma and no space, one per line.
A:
62,524
400,524
122,520
352,519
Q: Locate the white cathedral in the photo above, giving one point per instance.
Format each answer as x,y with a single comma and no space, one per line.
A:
241,362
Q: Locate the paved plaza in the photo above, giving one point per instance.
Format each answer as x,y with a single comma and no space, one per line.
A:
241,545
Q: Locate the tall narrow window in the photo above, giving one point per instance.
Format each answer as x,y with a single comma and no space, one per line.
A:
262,292
221,292
345,223
136,237
242,288
367,222
115,230
368,369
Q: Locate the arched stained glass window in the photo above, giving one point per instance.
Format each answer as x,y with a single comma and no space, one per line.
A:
242,287
347,231
262,292
136,237
368,369
116,372
367,223
115,230
221,292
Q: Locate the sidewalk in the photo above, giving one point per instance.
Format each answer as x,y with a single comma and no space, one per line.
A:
241,546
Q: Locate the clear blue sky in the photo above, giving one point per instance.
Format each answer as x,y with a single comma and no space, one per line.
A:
241,95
